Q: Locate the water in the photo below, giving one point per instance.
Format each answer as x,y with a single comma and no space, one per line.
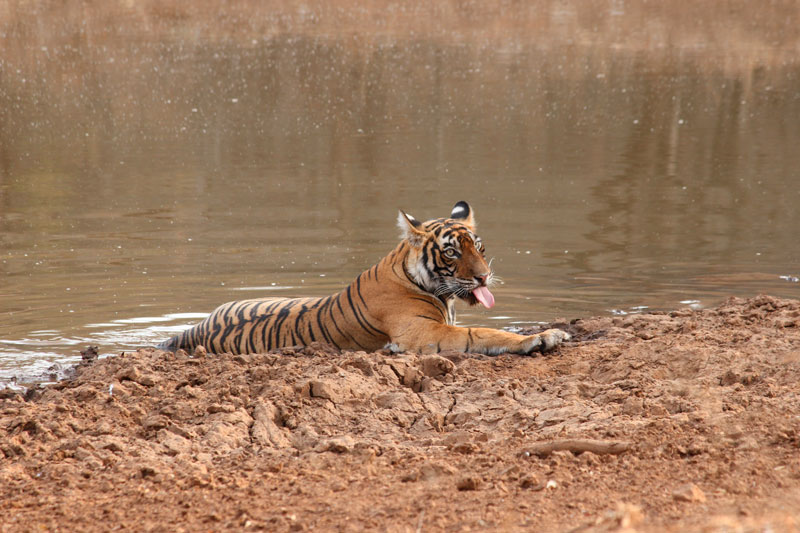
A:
158,160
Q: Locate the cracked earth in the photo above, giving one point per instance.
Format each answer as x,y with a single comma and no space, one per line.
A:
682,421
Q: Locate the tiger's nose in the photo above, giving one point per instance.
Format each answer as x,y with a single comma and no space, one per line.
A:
481,278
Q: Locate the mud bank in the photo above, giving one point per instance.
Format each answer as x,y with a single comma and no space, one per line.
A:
686,421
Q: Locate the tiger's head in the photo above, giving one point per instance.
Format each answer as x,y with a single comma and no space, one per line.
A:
447,258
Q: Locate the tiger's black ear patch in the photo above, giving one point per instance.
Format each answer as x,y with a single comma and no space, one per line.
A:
461,210
463,213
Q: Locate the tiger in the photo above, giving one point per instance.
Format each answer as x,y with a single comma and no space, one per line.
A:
404,303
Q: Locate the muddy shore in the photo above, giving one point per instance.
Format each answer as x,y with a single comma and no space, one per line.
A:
682,421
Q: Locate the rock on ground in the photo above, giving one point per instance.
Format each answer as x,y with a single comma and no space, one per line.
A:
683,421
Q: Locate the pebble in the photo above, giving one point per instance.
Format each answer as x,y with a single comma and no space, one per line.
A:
468,483
689,493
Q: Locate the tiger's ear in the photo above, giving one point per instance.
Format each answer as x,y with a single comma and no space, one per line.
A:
463,213
411,229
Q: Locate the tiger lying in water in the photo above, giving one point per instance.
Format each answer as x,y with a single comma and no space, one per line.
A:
405,302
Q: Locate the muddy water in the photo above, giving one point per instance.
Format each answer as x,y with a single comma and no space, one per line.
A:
155,163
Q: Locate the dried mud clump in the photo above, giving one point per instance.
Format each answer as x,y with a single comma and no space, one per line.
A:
683,421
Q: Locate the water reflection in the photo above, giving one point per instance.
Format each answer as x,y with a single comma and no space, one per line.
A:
159,159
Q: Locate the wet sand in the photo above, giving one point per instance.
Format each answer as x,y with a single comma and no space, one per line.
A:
682,421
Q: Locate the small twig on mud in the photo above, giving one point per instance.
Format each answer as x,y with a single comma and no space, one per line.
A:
576,446
419,522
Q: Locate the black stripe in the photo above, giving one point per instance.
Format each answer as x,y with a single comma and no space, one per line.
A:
200,329
322,327
345,335
425,257
303,310
300,337
251,338
259,325
355,313
429,318
431,303
226,334
330,313
339,303
266,338
225,313
266,334
362,320
213,334
239,324
247,344
281,318
240,313
218,334
405,275
358,290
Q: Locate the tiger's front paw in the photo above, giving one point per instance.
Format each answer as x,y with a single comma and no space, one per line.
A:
547,340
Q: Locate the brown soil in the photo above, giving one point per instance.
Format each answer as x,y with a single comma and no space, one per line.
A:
692,420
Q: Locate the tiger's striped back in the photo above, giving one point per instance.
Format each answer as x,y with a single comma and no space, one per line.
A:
263,324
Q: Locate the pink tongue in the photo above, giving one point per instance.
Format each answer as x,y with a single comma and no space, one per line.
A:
484,296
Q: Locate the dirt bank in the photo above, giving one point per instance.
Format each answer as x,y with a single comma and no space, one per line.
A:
692,420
